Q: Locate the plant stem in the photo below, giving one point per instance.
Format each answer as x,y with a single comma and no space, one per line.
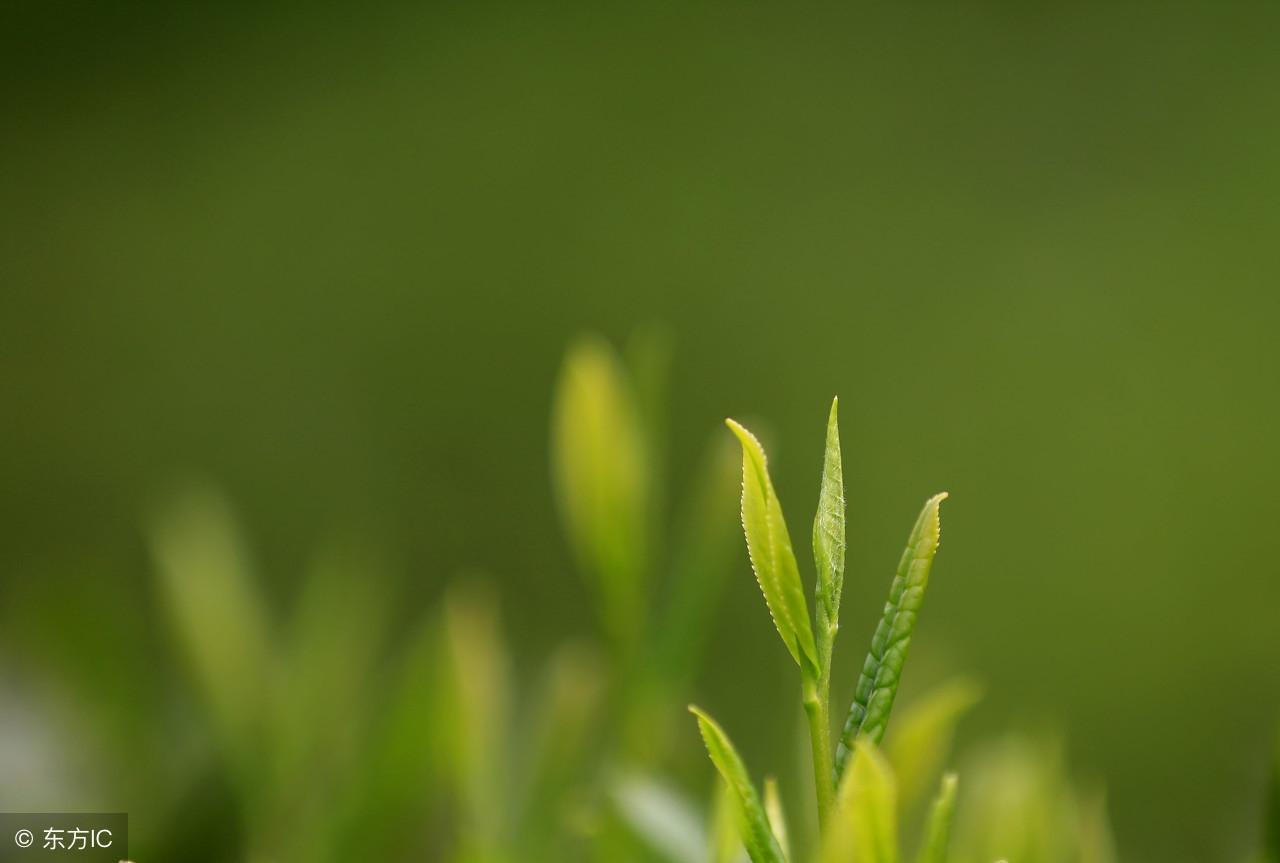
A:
817,698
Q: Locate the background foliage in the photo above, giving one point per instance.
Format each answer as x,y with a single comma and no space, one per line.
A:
330,260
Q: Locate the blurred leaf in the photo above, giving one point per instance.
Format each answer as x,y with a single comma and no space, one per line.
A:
753,823
322,702
335,636
478,713
1017,805
937,831
922,736
864,824
725,841
828,528
601,468
769,546
660,816
408,750
882,670
777,816
563,731
216,612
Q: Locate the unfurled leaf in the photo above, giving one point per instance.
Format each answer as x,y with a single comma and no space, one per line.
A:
828,528
661,817
937,831
864,824
921,736
882,669
772,558
753,822
601,467
216,611
777,817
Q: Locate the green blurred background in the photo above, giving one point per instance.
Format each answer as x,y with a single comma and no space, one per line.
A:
330,260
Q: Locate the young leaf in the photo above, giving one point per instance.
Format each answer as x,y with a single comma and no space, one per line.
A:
769,546
938,829
217,612
922,735
777,816
478,699
600,464
753,823
864,827
725,843
882,670
828,528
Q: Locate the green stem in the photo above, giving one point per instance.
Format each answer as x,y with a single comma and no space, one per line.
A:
817,699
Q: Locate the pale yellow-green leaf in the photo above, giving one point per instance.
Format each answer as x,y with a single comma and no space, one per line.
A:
772,558
724,844
477,700
921,736
753,823
601,469
937,830
777,816
216,611
828,527
864,824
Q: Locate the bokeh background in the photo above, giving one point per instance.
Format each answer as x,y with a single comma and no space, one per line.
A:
329,260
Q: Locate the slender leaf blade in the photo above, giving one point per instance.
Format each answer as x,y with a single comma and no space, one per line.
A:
774,562
937,831
829,526
217,612
864,826
753,823
922,735
777,815
882,669
601,468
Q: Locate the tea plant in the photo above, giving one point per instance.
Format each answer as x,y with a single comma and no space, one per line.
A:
856,792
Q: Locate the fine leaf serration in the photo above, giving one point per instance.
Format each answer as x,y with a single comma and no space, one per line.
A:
774,562
882,670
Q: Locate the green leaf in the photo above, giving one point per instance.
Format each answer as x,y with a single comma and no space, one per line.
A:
477,678
601,467
725,844
217,613
777,816
922,735
828,527
864,826
753,823
937,831
882,669
769,546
